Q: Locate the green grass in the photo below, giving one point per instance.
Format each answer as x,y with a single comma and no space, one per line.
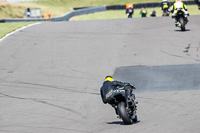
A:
9,27
116,14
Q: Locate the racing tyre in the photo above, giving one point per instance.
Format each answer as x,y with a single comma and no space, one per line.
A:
182,22
123,113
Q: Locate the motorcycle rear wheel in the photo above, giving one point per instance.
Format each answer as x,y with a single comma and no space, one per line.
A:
123,113
182,22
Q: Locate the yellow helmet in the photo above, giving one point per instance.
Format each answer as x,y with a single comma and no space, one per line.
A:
109,78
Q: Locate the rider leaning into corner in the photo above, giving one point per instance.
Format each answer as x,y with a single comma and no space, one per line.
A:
109,84
173,10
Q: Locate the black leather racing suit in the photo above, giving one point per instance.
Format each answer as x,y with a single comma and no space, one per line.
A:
108,86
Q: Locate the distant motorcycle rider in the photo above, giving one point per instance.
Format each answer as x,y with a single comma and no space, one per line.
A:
173,9
129,11
109,84
143,12
164,6
153,13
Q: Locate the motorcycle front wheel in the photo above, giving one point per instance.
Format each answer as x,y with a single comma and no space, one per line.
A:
123,113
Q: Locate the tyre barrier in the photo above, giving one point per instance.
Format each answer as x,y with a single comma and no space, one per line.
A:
138,6
145,5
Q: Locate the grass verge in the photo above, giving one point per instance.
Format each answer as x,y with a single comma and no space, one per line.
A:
9,27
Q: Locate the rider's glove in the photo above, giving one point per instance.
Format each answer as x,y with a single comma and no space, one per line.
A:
133,87
128,84
187,13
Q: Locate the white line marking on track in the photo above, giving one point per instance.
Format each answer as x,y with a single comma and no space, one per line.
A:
9,34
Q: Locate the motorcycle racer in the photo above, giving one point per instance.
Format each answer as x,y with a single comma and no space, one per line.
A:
120,96
129,11
109,84
164,6
178,5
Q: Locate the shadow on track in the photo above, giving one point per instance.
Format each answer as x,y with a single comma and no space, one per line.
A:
116,123
120,123
182,31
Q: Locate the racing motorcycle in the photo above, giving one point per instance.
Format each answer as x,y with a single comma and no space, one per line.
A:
181,18
125,109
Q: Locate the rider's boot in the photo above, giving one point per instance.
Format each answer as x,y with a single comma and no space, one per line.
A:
114,106
116,111
177,23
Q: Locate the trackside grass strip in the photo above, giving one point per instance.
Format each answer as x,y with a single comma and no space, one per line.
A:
6,28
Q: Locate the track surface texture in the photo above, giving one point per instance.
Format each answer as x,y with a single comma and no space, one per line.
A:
51,73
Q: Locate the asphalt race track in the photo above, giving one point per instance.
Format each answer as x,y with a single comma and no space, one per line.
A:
50,75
